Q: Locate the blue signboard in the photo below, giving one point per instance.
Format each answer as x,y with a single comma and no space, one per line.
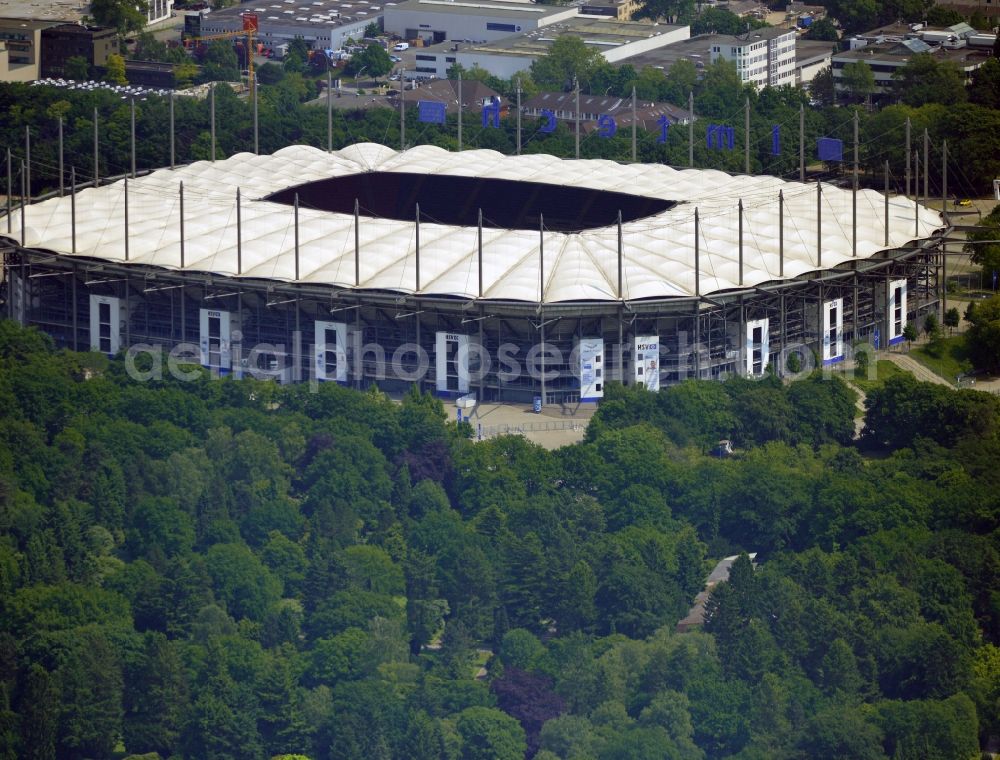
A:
491,114
719,136
829,149
776,140
606,126
664,124
430,112
550,121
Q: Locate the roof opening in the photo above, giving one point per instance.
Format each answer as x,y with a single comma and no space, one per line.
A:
453,200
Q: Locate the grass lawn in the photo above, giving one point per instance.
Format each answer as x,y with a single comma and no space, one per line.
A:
884,369
947,357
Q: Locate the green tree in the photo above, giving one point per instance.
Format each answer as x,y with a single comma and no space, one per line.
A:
568,736
184,75
823,88
569,60
219,62
297,57
77,68
373,30
222,719
489,734
855,15
671,11
910,332
39,715
985,253
370,568
858,79
115,70
521,649
241,580
924,80
984,90
840,670
983,336
930,729
823,29
156,694
424,738
373,60
714,20
941,16
932,326
952,319
341,657
91,679
681,80
577,610
124,16
841,733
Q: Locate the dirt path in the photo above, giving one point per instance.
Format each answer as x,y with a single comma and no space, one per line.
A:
859,402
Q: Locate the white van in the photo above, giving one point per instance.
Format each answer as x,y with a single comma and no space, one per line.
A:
401,46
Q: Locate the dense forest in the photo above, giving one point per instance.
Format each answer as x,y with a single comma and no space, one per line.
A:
234,569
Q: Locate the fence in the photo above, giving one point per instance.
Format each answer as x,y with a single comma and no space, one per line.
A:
490,431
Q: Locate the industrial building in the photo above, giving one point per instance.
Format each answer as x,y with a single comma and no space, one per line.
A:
888,49
618,41
322,24
435,21
510,277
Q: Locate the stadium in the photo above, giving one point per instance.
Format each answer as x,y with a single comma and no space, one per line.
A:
505,277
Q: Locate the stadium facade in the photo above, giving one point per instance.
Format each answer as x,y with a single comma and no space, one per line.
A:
507,277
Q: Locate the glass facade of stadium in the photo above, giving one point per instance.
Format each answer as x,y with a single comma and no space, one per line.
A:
488,348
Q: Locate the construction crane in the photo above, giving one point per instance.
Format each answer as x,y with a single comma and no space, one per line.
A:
249,31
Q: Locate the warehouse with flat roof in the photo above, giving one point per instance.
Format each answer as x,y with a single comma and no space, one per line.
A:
321,23
434,21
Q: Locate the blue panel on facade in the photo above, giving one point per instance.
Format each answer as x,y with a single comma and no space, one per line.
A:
829,149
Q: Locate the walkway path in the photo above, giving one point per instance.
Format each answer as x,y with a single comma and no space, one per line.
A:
914,367
859,402
696,616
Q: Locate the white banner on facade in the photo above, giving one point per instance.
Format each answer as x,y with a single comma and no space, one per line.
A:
757,346
591,369
214,335
895,315
330,351
647,361
833,330
105,324
451,362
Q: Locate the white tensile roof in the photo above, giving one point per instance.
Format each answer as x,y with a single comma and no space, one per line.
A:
658,251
